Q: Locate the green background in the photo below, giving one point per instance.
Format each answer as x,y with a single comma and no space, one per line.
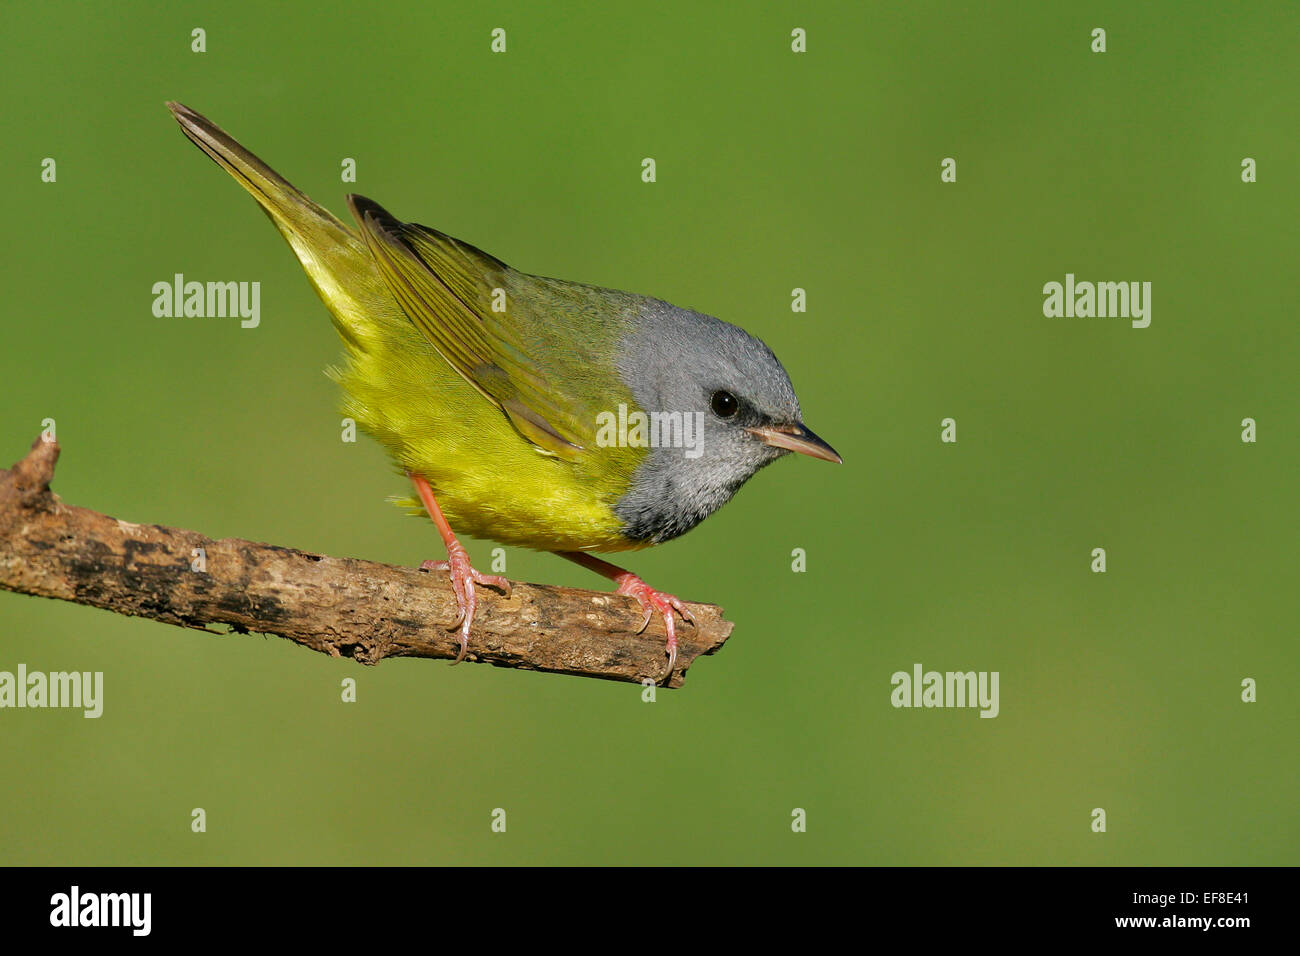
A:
1118,690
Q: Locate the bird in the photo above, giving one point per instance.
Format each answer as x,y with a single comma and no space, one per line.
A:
531,411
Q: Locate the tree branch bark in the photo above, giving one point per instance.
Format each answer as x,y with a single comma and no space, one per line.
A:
344,607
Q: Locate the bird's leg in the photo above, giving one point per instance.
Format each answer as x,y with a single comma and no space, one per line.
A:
463,576
649,599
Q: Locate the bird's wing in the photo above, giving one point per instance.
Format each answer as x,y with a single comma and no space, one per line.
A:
447,288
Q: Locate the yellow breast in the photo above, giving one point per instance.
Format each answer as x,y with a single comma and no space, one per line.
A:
489,481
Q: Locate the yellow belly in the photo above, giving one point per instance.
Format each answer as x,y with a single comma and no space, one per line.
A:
489,481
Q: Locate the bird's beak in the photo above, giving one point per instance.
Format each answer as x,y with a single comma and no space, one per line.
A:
796,438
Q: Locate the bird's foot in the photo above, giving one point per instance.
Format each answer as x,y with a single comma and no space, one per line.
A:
652,601
463,579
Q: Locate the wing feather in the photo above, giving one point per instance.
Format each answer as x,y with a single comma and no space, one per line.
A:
447,287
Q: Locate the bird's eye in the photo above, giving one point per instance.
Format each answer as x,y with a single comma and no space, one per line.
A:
724,404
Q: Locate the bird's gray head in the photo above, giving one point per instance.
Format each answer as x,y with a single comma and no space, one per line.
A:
719,406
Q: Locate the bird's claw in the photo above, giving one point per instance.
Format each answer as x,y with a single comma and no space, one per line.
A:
463,578
652,601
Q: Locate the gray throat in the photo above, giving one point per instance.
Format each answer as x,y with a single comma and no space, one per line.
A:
667,359
666,500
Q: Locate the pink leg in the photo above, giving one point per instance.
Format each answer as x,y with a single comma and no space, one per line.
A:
649,599
463,577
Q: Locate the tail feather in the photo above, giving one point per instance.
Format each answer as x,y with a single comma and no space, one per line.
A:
334,257
282,201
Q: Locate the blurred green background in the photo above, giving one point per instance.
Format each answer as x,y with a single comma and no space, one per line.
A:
775,171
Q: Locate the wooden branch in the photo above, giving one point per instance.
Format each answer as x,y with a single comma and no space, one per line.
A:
339,606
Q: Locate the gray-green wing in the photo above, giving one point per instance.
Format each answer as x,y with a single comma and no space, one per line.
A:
542,374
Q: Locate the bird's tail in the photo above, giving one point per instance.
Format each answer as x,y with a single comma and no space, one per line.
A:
334,257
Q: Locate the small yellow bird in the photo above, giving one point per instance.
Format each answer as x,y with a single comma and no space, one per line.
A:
531,411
